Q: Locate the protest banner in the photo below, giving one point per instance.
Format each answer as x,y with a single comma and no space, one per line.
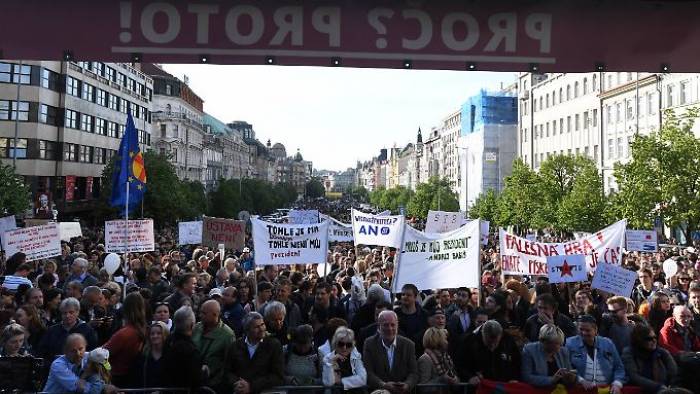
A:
277,243
485,227
384,213
614,279
442,222
439,260
567,268
641,240
229,232
531,237
522,257
337,230
368,229
189,233
300,216
35,222
38,242
70,230
7,223
139,237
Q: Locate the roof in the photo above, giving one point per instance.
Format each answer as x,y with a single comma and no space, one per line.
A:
217,126
155,70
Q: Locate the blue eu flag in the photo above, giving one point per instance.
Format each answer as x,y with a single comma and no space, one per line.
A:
128,167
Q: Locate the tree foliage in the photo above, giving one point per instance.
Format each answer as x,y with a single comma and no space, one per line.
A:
252,195
663,177
520,201
485,207
15,197
314,188
436,194
358,193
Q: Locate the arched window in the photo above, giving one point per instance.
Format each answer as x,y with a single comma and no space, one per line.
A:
595,82
576,89
561,95
585,86
568,92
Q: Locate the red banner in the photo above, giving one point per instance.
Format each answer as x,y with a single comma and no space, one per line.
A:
491,387
507,35
70,187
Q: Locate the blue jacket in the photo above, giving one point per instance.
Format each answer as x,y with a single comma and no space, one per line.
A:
606,355
534,364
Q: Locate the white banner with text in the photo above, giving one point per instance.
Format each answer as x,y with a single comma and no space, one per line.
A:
277,243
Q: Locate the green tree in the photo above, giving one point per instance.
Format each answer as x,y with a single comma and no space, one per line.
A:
359,193
314,188
394,198
486,207
663,177
15,197
436,194
584,207
286,194
375,197
521,198
557,175
226,200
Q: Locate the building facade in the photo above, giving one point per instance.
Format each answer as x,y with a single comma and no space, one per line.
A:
67,119
450,131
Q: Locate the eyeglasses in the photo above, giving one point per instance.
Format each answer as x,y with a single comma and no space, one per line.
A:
346,345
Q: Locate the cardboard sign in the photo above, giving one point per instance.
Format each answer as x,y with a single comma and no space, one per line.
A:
614,279
438,261
277,243
138,238
567,268
641,240
7,223
227,231
520,256
70,230
377,230
298,216
442,222
38,242
189,233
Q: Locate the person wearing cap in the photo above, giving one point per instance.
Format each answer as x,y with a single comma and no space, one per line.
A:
302,366
97,370
246,259
595,358
213,339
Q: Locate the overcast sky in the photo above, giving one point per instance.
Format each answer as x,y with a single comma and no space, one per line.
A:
336,116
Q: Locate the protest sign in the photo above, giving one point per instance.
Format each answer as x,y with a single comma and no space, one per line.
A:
439,261
567,268
614,279
442,222
384,213
377,230
277,243
298,216
35,222
38,242
70,230
485,226
641,240
337,231
189,233
139,237
522,257
7,223
229,232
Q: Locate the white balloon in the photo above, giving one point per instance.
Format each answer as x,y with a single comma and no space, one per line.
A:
112,262
670,267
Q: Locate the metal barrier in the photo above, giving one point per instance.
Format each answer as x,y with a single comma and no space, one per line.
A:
464,388
203,389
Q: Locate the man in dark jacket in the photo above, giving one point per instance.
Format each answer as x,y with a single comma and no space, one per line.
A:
53,342
182,361
256,363
547,313
183,295
488,353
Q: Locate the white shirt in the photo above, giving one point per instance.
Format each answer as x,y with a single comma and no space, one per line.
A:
251,348
12,282
390,352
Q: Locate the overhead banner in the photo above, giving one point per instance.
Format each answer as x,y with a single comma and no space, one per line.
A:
520,256
6,223
299,216
138,238
337,231
641,240
377,230
70,230
442,222
567,268
278,244
229,232
189,233
614,279
38,242
505,35
438,261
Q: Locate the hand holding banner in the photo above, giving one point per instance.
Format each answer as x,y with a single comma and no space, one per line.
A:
567,268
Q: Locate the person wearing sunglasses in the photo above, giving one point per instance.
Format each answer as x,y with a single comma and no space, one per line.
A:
343,365
648,366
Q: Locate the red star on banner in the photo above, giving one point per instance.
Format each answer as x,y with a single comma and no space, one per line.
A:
566,269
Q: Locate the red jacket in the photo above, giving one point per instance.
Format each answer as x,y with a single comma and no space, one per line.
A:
671,339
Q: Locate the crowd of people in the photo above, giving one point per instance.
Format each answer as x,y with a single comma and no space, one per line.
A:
183,316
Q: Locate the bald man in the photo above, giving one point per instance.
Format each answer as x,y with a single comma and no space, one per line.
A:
676,335
390,358
213,339
64,376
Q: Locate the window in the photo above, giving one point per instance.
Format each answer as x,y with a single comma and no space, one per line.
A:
98,155
113,102
71,119
628,148
619,147
547,128
47,150
554,97
586,121
585,86
49,79
547,100
135,110
111,129
168,89
121,79
630,109
163,131
650,104
86,65
10,110
586,152
85,154
124,106
629,77
140,88
69,152
15,73
568,92
540,103
576,89
88,92
48,115
561,95
669,96
7,148
568,124
684,99
554,127
611,148
595,82
618,112
99,68
86,122
595,153
595,118
110,74
73,86
577,122
561,125
100,126
101,97
524,134
610,81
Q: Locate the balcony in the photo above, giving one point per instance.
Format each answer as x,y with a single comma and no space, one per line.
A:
175,117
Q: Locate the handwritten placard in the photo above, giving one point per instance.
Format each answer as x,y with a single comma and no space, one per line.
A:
139,237
614,279
38,242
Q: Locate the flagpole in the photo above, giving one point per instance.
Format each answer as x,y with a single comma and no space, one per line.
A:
126,241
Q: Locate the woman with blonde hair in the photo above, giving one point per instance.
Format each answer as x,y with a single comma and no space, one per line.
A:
343,365
435,365
149,366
